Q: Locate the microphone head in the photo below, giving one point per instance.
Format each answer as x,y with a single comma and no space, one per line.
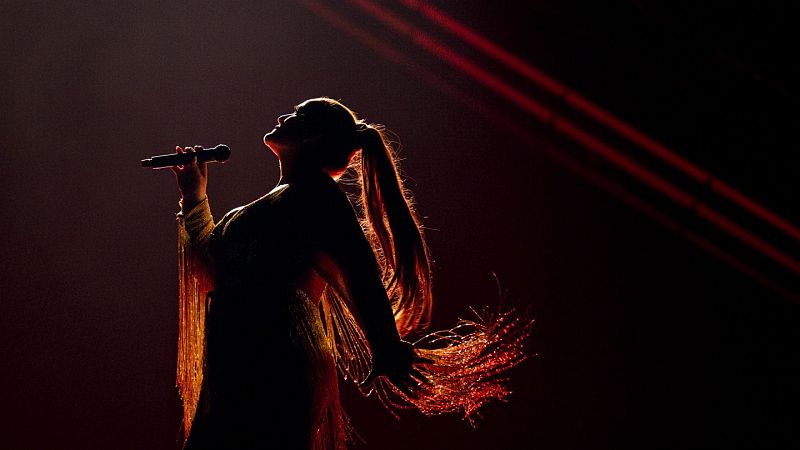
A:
221,153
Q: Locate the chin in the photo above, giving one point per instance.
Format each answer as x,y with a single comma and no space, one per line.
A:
269,139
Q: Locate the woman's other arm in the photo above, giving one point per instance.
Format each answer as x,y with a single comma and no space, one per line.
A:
355,274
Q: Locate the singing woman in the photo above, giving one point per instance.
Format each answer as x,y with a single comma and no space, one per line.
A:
282,293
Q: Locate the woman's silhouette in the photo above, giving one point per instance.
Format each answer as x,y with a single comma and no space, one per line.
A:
281,291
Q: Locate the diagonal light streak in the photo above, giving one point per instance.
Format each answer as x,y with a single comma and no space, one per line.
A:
572,98
574,132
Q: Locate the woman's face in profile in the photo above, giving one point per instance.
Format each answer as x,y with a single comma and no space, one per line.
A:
287,133
306,126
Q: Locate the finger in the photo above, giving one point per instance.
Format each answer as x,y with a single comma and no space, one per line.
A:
419,376
203,167
177,169
404,387
422,360
190,149
185,150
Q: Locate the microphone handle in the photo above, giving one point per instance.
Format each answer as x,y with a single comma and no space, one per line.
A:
180,159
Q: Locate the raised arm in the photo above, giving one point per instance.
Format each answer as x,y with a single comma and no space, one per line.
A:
194,280
195,214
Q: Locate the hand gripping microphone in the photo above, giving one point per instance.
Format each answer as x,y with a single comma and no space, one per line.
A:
220,153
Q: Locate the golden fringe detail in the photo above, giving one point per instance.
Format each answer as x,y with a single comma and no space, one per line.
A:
194,283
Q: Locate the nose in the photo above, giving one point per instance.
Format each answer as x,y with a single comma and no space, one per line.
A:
282,118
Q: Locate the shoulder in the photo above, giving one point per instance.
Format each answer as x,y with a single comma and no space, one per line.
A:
228,216
232,213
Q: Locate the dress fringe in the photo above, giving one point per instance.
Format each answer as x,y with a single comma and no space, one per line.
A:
194,283
468,368
335,430
468,364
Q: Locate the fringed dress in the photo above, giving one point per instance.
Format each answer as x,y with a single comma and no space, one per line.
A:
257,358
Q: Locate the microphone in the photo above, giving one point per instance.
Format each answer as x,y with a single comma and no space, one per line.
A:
220,153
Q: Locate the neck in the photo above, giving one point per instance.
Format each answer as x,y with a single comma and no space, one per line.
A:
291,171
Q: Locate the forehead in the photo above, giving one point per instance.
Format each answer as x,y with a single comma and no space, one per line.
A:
309,105
323,111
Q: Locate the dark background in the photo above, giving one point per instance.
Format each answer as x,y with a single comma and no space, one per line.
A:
642,339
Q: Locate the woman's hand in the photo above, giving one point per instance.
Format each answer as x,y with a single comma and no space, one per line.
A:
397,364
192,178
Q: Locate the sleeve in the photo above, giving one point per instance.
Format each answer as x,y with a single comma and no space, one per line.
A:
194,283
196,226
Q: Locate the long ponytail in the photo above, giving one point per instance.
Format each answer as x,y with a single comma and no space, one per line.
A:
393,228
467,363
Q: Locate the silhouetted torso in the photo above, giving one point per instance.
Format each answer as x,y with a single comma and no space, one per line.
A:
270,373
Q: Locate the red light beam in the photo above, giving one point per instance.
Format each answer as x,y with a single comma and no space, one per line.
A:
602,116
572,131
